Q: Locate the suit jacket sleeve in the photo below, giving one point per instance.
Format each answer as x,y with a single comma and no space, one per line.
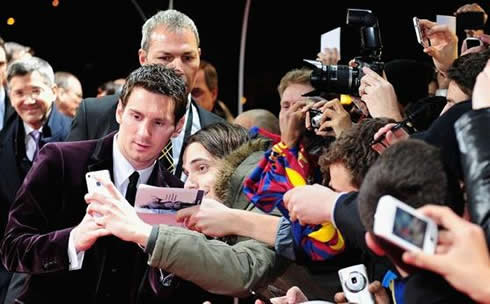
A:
79,127
30,243
192,257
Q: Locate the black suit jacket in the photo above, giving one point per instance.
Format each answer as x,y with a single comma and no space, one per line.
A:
49,204
9,110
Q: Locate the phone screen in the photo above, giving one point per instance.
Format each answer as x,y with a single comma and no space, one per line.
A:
410,228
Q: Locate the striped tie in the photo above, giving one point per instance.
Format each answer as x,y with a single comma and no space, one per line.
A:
36,135
167,157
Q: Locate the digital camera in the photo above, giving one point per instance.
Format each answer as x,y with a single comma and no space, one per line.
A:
344,79
355,284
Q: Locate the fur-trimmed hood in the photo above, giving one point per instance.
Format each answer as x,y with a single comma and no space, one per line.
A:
234,168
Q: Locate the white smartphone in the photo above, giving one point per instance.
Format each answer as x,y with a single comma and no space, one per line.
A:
403,226
355,284
418,32
93,185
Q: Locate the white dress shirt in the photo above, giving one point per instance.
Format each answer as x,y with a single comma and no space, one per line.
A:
178,141
121,172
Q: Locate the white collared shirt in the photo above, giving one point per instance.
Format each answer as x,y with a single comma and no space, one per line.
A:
178,141
122,169
29,142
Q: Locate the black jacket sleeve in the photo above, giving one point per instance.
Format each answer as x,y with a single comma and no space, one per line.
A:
471,131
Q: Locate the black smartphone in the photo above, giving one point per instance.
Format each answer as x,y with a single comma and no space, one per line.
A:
472,42
470,21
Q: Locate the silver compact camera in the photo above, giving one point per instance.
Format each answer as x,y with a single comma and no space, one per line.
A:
355,283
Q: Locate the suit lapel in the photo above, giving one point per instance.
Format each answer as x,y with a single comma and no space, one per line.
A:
102,157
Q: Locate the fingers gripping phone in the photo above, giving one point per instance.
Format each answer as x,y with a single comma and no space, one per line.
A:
355,284
403,226
418,32
93,185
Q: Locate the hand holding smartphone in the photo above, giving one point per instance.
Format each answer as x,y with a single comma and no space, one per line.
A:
419,33
94,186
403,226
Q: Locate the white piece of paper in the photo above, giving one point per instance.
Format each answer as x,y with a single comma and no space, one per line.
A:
159,205
448,20
331,40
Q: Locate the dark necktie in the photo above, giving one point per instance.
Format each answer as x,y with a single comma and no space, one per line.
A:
131,189
167,157
36,135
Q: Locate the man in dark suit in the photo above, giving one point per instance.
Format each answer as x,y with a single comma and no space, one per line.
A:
68,257
32,90
6,109
169,38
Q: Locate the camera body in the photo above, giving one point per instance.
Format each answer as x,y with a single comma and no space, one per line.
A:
355,283
344,79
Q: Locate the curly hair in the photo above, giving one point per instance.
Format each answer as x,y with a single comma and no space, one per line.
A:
352,149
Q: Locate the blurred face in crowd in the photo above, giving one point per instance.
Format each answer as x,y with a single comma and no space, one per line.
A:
175,49
3,67
204,97
146,124
31,98
289,97
69,98
340,178
201,169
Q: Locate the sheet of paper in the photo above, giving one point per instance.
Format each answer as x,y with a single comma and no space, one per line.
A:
159,205
331,40
448,20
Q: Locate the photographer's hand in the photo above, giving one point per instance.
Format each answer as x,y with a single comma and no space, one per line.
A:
461,255
379,96
387,136
328,56
444,44
334,117
293,124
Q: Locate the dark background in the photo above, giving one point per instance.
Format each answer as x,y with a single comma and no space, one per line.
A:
98,40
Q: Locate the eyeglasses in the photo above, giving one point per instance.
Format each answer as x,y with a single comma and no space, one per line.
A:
33,93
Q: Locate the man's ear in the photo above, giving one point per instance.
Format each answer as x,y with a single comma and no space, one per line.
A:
119,111
142,56
179,126
214,93
373,245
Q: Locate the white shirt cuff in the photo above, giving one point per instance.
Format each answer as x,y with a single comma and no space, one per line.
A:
75,259
333,207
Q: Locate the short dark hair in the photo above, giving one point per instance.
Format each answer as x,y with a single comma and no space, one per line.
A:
220,139
158,79
465,69
411,171
353,150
